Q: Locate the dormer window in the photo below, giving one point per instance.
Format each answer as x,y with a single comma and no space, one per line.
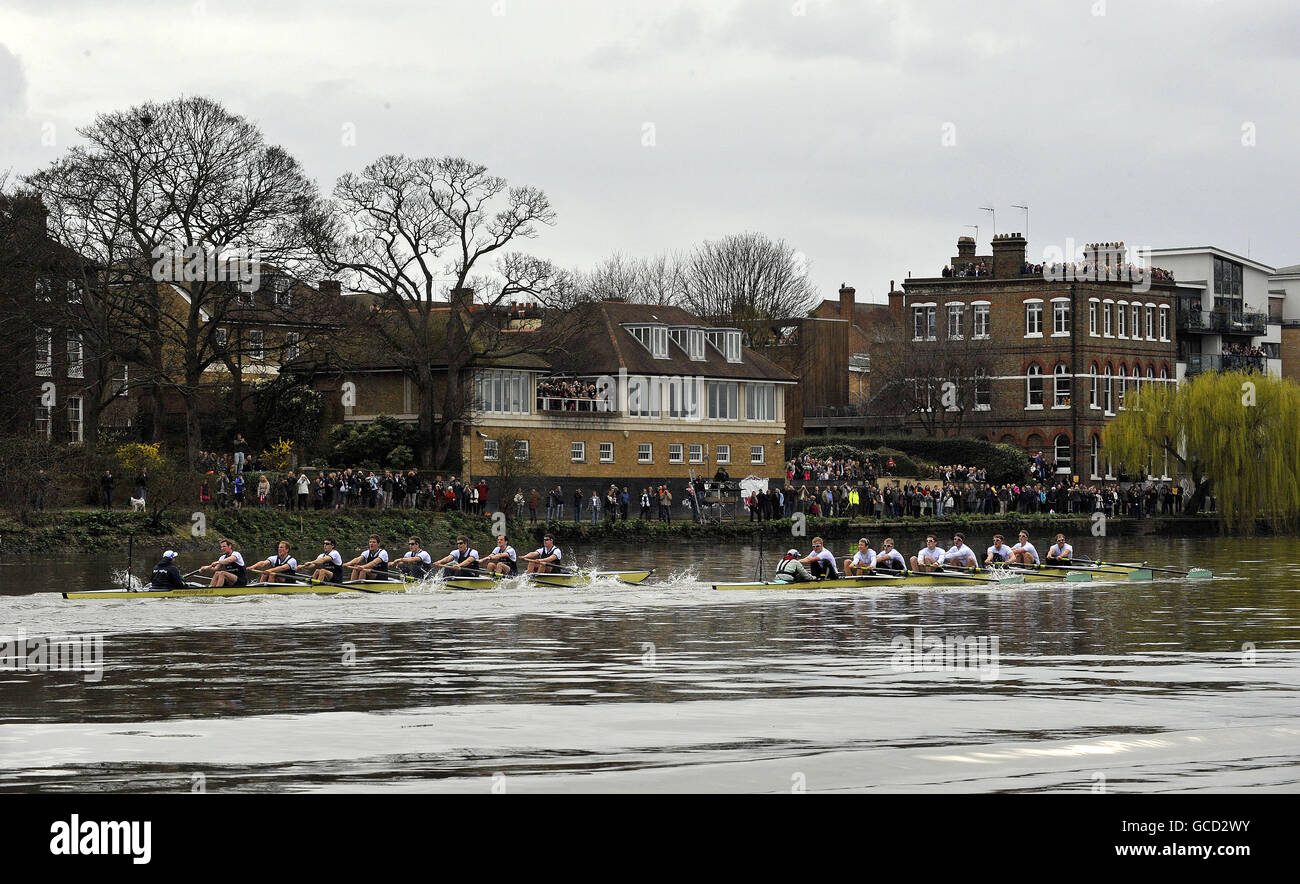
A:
695,337
726,341
653,337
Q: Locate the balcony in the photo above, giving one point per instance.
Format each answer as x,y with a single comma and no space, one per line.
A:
1199,363
1191,318
1237,322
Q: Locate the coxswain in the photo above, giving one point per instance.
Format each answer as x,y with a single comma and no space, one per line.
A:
502,560
373,563
791,569
1061,552
930,558
545,559
277,567
821,561
959,554
462,558
165,574
417,563
863,561
228,569
328,565
1023,553
999,553
889,558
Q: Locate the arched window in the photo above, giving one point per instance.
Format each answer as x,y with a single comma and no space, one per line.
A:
1096,456
1063,452
1164,373
1034,388
1136,374
1092,393
1110,390
1008,439
1120,385
1061,386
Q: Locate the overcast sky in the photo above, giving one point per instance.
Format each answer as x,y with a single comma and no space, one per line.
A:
865,134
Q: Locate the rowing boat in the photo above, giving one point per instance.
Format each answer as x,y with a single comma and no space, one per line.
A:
562,578
884,580
194,590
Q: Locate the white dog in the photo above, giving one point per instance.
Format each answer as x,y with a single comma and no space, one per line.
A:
137,504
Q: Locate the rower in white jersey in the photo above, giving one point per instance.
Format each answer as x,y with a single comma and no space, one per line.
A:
1023,553
1061,552
821,561
328,565
502,560
999,553
930,558
541,561
890,559
959,554
863,561
373,563
417,562
228,569
279,567
460,559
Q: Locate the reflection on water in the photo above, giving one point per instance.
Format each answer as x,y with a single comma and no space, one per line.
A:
1167,685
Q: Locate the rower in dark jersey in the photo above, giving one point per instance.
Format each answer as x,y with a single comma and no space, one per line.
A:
165,574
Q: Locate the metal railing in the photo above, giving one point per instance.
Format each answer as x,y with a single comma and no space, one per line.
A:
1198,363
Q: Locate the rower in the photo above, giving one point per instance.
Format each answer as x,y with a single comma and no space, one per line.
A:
374,561
540,561
329,564
959,554
999,553
863,561
228,569
277,567
1061,553
930,558
890,559
822,561
462,558
165,574
417,563
1023,553
791,569
502,560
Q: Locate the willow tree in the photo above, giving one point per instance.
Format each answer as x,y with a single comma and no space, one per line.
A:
1240,431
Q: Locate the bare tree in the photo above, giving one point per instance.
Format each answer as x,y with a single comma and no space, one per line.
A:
416,235
746,277
171,189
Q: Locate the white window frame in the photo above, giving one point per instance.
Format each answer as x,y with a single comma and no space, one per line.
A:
75,428
1030,374
695,342
1094,394
757,455
1121,319
981,310
1062,317
645,452
1061,374
1151,322
723,453
44,415
760,402
221,337
491,450
119,385
292,346
1094,307
1094,464
501,391
1108,400
577,452
1164,322
675,452
956,312
1034,318
1056,453
1135,322
521,449
732,340
606,452
723,400
1108,319
76,355
45,361
928,317
697,452
256,344
982,406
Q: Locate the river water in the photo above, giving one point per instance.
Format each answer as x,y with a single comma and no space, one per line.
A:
1167,686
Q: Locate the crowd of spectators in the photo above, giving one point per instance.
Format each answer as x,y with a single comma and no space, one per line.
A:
574,395
970,268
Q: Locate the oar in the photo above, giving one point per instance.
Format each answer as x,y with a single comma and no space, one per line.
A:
1146,567
288,575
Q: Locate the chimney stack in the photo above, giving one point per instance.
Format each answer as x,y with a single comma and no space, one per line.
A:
330,287
1008,255
847,293
965,248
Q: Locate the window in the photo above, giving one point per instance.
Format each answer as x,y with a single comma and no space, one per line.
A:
1096,456
723,453
1164,373
1060,317
756,454
645,452
653,337
606,452
74,292
726,341
1136,375
1062,453
1120,313
697,453
1034,393
980,329
502,392
956,319
923,322
1061,385
983,392
76,356
722,401
1093,306
521,449
675,452
1108,313
578,452
1151,322
732,339
1033,319
760,402
256,344
683,397
44,352
490,449
222,338
119,383
44,419
74,418
1135,326
695,342
1092,392
1120,385
1164,323
280,291
643,396
1110,402
291,348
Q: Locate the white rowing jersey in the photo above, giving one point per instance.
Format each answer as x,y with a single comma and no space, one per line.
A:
999,553
509,552
457,557
422,557
367,557
893,556
334,557
1061,551
1029,548
235,558
276,561
544,553
959,555
825,556
929,556
864,559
